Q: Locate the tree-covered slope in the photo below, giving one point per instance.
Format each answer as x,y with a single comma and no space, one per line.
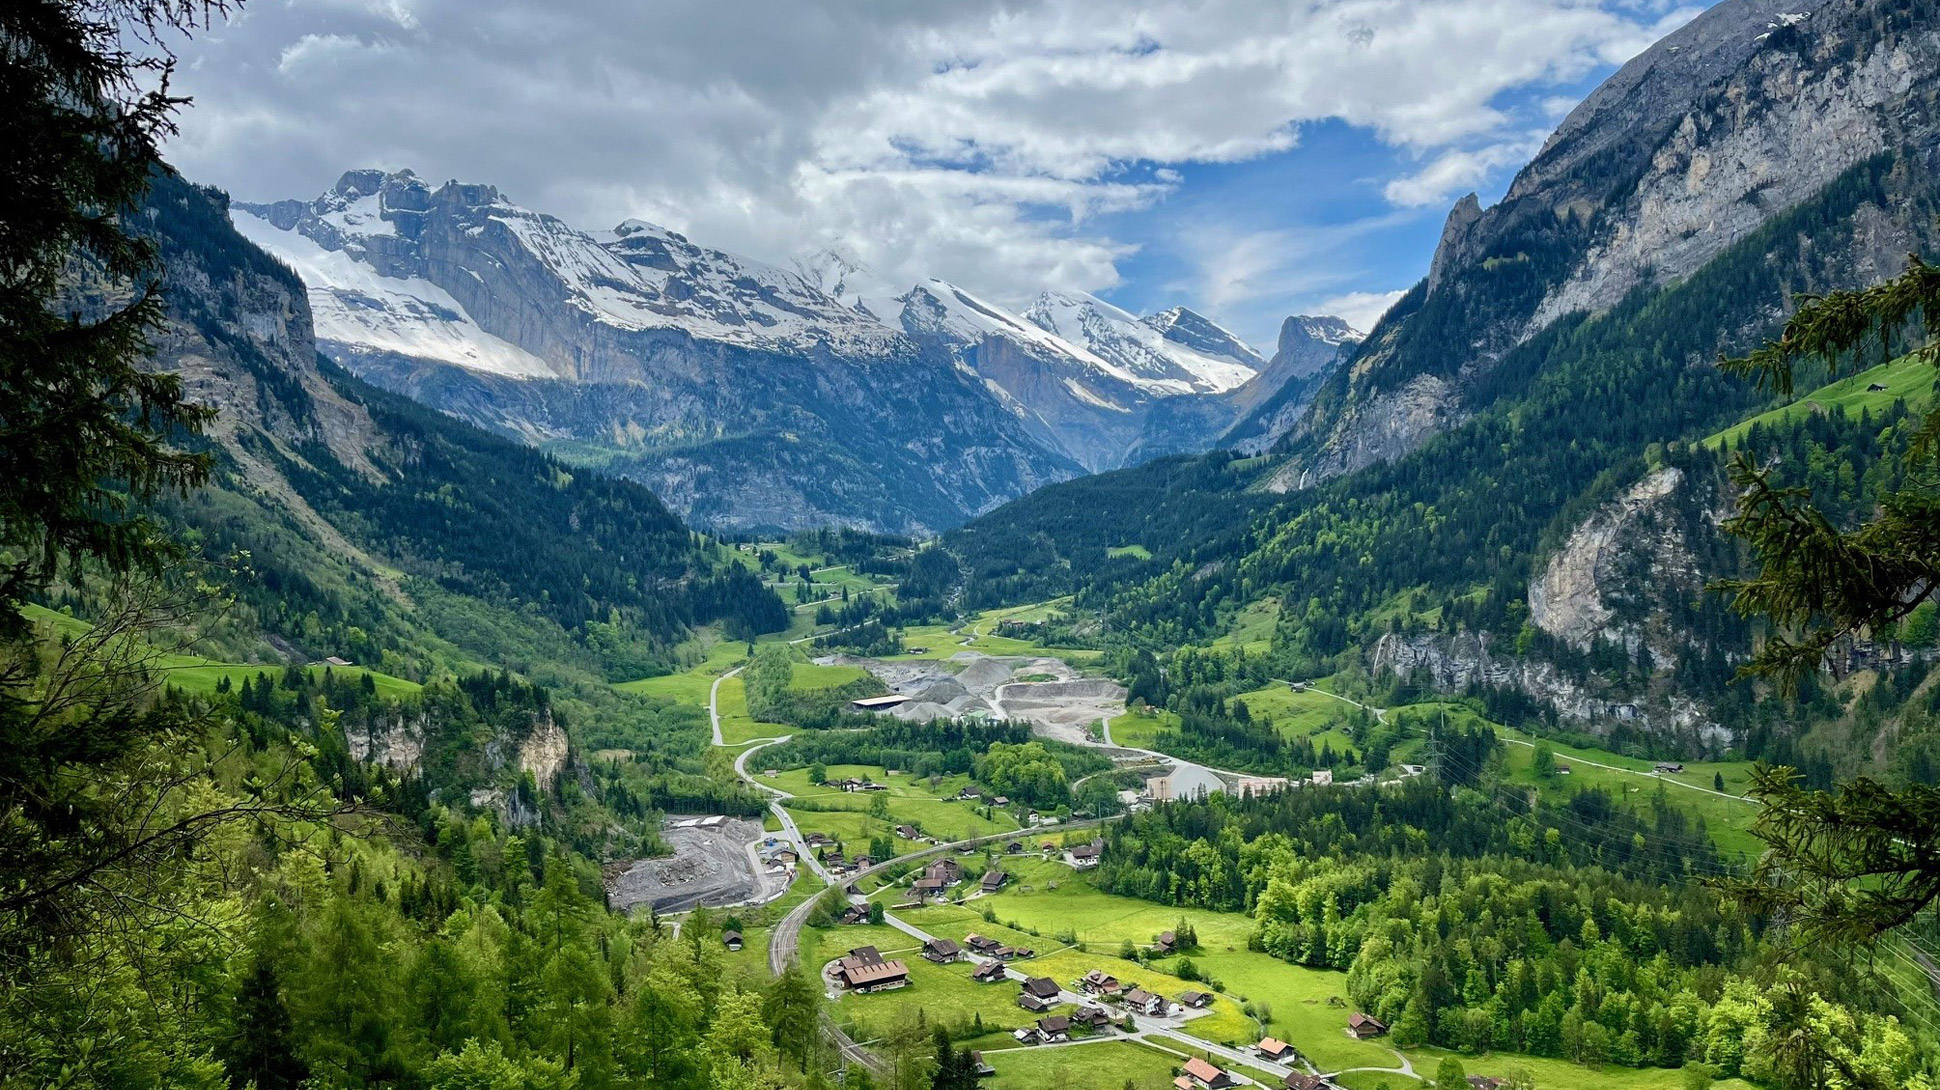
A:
1454,535
361,512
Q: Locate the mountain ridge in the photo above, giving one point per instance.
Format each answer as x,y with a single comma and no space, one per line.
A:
748,395
1745,111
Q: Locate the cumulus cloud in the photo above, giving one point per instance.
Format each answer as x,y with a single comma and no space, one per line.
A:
1457,171
1361,309
979,140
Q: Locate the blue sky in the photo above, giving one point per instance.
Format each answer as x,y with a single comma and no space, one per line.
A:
1247,158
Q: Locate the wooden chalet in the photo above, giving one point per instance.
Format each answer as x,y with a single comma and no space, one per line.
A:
1039,993
1272,1048
876,976
1205,1075
1364,1026
1099,982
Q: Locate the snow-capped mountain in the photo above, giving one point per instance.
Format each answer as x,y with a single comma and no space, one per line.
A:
741,392
747,393
1172,352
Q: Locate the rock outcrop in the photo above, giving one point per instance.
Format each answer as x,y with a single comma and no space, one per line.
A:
1600,585
1457,663
544,752
1271,403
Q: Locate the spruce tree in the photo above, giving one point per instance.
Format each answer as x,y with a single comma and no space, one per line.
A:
261,1049
1851,864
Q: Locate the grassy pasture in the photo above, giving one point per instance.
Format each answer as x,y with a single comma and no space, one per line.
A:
1905,379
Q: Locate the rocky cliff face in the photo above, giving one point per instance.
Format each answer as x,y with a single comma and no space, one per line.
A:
1626,575
396,742
1589,701
544,752
1751,108
1608,580
1271,403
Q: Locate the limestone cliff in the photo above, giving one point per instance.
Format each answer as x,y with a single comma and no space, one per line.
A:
1610,579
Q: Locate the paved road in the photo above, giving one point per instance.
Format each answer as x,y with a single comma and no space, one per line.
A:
714,703
786,940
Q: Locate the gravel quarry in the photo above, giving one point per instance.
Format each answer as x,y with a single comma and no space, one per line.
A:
1059,703
709,866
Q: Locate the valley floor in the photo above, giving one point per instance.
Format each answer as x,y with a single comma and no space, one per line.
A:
1069,924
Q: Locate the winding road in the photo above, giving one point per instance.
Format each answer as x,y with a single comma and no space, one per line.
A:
785,942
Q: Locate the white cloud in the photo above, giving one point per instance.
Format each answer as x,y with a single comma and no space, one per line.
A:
1361,309
977,141
1457,171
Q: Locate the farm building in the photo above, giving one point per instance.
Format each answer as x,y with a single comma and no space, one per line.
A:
865,970
1144,1002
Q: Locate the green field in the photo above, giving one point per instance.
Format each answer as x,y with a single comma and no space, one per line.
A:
974,634
1140,729
944,993
200,676
1139,551
809,678
1905,379
844,814
1252,630
1297,998
1298,714
1726,816
737,726
710,656
1105,1064
750,963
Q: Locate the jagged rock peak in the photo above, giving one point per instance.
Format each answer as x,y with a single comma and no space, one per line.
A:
1325,328
1455,235
1182,325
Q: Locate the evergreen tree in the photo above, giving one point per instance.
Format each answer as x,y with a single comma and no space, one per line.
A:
1851,864
262,1050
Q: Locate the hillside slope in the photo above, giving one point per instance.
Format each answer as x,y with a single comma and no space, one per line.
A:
1747,111
1549,538
361,513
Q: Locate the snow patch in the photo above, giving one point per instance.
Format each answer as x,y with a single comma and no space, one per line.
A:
351,304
